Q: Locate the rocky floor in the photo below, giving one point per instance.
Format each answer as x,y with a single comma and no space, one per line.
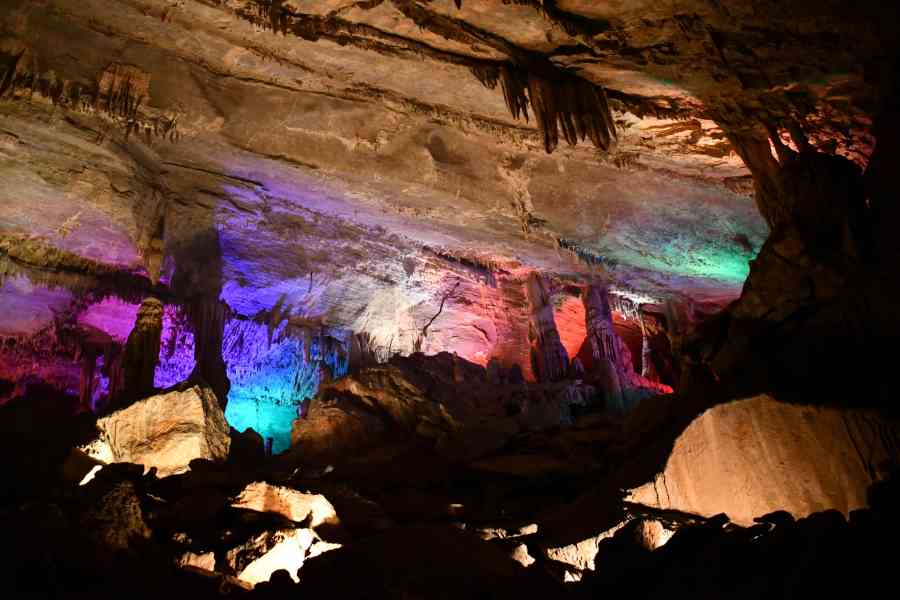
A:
525,511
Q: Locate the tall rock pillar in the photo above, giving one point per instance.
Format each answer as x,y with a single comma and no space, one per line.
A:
549,358
135,373
208,316
600,332
648,369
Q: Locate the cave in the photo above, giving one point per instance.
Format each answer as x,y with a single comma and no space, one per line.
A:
448,298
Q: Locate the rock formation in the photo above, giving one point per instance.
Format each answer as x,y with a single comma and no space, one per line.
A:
443,402
549,357
166,431
755,456
141,355
604,346
296,290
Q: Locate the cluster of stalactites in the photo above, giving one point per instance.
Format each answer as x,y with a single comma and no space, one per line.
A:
115,95
585,255
561,103
626,307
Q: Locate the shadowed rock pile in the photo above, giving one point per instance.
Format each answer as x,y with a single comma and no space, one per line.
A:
426,510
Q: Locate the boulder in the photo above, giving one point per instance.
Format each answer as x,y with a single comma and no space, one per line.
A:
114,521
246,446
290,504
758,455
422,562
255,560
165,431
204,560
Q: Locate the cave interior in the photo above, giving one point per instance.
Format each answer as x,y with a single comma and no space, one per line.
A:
440,299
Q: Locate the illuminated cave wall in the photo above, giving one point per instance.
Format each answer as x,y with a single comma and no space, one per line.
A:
273,372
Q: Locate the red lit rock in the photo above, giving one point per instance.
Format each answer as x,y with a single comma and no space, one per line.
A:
547,351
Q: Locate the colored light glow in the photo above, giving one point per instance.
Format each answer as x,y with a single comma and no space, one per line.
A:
112,316
176,350
272,376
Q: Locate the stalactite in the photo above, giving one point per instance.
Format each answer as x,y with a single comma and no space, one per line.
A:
648,369
585,255
560,102
624,306
550,360
113,95
86,381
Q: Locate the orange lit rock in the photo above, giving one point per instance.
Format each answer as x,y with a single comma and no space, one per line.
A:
166,431
256,560
205,560
755,456
291,504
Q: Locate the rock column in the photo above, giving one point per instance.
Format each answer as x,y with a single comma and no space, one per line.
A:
648,370
600,332
208,317
141,354
548,356
86,382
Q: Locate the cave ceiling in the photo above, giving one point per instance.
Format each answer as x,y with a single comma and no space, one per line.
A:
344,162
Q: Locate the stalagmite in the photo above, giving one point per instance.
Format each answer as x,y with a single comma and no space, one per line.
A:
138,362
598,321
548,355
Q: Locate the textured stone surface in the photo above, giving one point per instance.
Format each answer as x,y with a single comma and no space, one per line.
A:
291,504
168,431
115,522
441,401
256,560
751,457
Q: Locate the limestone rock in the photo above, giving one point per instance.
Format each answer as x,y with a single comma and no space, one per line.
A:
519,553
441,401
580,554
166,431
291,504
246,446
79,467
755,456
408,561
255,560
205,560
